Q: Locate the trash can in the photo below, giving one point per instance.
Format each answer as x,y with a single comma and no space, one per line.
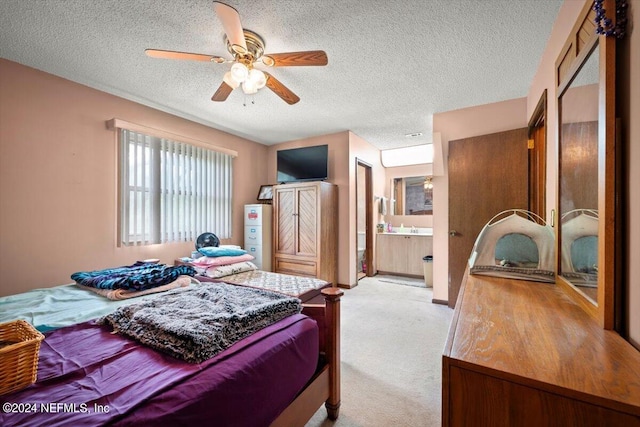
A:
428,270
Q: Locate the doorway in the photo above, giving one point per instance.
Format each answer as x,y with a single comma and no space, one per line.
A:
364,220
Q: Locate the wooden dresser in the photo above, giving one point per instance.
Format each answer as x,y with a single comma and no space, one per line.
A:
523,354
305,230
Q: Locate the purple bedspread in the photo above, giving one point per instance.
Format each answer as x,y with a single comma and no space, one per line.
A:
88,376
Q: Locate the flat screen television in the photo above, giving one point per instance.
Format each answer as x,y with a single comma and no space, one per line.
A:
303,164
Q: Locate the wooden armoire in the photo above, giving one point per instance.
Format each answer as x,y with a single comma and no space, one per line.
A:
305,230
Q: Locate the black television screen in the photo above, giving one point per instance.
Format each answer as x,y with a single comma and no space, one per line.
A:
303,164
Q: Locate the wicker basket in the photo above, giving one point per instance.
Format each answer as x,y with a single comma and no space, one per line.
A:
19,348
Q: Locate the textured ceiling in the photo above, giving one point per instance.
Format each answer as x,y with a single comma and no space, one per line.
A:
392,63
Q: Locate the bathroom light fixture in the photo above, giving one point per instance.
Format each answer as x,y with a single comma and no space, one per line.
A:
428,185
405,156
428,190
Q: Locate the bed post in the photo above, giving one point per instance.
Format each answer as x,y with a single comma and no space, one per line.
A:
332,315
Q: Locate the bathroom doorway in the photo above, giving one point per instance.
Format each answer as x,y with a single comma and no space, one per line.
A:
364,220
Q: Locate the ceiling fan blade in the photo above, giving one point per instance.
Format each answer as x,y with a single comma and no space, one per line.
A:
293,59
222,93
281,90
230,19
170,54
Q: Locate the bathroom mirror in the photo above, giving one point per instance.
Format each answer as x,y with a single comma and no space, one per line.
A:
586,214
412,195
578,179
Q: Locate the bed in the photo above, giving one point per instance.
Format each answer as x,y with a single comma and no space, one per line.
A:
239,270
279,375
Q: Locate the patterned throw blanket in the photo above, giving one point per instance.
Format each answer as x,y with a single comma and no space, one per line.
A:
195,324
136,277
120,294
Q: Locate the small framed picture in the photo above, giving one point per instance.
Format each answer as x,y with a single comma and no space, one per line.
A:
265,194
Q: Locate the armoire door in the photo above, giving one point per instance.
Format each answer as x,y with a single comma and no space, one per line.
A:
285,221
307,221
487,175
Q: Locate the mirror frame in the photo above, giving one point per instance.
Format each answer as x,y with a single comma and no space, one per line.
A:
581,42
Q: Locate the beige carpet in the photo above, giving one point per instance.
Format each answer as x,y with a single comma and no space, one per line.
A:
392,342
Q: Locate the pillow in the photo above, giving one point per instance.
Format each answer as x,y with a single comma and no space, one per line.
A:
227,270
206,261
215,251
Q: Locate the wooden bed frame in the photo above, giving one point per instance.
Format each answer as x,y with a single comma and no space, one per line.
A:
325,384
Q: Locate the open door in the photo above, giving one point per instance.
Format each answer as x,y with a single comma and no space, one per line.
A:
487,174
537,146
364,220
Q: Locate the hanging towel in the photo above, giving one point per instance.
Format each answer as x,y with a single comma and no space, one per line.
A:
383,205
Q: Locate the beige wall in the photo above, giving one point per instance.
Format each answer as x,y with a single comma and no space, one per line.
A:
58,178
453,125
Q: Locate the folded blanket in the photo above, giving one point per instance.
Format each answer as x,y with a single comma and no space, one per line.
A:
206,262
227,270
136,277
120,294
196,323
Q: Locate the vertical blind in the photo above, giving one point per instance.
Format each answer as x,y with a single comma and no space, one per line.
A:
171,191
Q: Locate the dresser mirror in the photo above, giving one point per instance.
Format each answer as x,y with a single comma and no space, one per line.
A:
412,195
587,217
578,180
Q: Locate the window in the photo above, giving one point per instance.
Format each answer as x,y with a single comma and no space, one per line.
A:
171,191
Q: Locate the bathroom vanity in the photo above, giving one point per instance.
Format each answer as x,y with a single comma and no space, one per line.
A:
401,253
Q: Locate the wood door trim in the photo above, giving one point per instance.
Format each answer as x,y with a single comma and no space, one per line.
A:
368,251
537,161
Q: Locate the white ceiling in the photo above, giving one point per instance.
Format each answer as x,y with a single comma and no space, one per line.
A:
392,63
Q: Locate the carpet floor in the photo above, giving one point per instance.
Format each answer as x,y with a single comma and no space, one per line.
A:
392,342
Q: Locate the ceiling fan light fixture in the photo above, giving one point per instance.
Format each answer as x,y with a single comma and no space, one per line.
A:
249,87
257,78
230,80
240,72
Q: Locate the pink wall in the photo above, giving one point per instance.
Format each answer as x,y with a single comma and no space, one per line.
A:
580,104
545,79
629,103
338,171
344,147
58,178
361,149
453,125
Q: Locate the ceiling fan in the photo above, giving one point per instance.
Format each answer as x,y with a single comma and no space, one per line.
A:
247,49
